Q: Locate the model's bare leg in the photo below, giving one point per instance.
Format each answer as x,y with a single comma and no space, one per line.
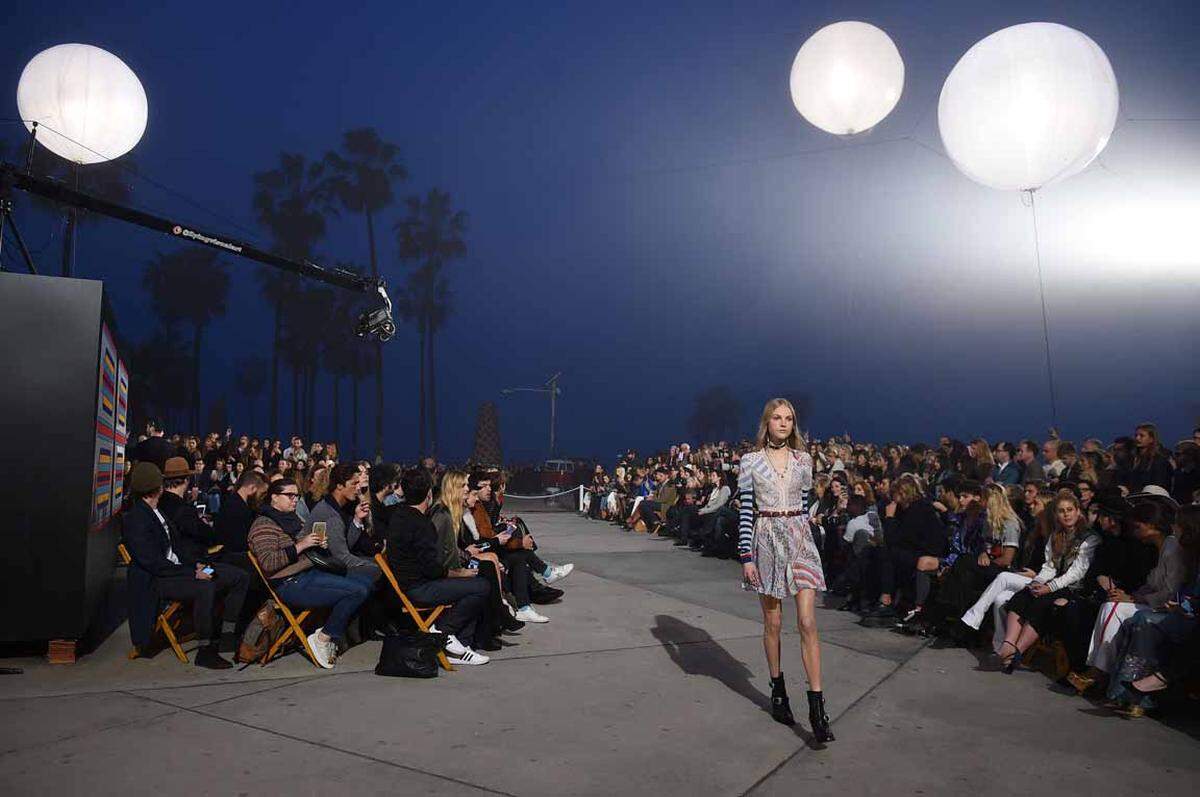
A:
772,611
810,641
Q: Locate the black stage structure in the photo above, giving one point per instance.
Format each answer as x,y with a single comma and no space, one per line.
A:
64,407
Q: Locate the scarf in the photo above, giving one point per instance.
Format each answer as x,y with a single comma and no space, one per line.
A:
288,521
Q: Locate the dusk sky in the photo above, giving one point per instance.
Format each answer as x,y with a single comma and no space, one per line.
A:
650,215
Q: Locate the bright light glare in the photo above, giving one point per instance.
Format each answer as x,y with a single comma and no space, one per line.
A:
1138,241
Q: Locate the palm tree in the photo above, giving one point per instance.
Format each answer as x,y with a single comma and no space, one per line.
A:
360,179
430,235
340,350
250,377
159,374
300,347
189,285
287,201
409,305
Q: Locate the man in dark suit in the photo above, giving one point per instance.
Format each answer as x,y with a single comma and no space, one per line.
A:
237,512
1031,469
166,565
1006,471
155,448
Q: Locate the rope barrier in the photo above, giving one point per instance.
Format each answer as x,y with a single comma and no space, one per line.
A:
547,495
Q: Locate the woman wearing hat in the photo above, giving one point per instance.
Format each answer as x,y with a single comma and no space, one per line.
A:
1151,528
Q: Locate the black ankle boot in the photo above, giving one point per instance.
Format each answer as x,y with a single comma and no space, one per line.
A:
818,718
781,709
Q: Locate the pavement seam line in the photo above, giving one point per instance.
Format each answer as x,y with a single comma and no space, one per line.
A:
272,687
352,753
125,690
102,729
844,712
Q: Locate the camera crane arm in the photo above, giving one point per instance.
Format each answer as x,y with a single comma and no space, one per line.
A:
376,322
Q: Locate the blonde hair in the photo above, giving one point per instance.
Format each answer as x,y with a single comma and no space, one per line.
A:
453,491
318,483
794,441
906,491
999,510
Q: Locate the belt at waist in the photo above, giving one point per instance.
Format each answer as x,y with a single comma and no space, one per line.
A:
781,512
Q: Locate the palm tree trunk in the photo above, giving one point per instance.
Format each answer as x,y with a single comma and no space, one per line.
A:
378,346
354,416
421,342
433,424
296,402
275,369
378,400
198,330
337,412
313,375
371,244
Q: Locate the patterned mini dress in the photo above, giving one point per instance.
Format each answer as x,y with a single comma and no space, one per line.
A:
773,528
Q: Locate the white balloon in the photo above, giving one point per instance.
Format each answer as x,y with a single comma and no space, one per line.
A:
86,94
1028,106
847,77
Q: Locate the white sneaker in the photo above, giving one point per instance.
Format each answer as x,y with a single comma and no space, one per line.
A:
458,653
558,573
529,615
323,652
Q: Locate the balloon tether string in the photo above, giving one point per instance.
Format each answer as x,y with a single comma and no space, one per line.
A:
1037,248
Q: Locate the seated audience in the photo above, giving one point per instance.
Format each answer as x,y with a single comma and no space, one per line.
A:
166,565
278,542
1068,557
414,556
345,509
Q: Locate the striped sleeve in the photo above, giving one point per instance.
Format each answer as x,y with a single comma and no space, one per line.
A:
745,512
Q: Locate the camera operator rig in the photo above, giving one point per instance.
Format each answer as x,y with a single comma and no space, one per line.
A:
377,323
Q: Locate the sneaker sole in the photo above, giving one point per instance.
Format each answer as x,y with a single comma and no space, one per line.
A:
466,663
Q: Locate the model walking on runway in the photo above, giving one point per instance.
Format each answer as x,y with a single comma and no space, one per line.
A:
779,557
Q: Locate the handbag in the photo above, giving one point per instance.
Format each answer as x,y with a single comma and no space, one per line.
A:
322,559
410,654
264,628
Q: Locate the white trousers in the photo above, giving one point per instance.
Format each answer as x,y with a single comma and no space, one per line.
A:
1003,587
1101,651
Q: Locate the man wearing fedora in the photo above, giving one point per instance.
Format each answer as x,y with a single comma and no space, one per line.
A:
180,512
165,564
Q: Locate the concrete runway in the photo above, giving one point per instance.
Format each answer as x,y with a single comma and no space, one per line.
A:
649,679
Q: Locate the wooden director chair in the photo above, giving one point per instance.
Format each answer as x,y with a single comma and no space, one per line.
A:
169,619
412,610
295,622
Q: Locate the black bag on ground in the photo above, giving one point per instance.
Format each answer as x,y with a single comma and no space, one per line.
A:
410,654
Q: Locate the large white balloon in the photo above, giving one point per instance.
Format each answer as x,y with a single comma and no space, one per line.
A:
1028,106
847,77
88,95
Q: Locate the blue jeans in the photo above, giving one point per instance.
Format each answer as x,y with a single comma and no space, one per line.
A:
314,589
